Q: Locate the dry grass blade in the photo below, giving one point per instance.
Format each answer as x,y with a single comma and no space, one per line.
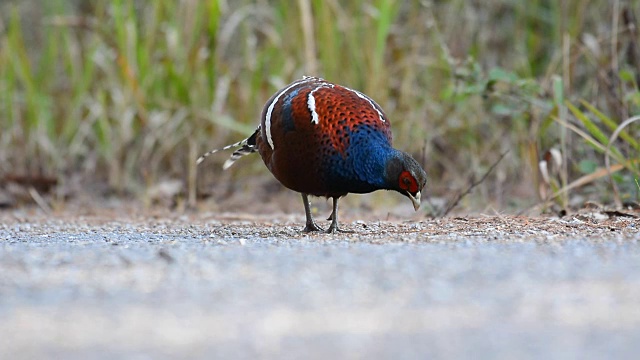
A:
586,179
306,21
582,181
40,200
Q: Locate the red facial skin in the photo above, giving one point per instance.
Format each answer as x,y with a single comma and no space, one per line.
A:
407,182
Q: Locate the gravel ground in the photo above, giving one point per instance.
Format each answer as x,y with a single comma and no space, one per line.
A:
120,284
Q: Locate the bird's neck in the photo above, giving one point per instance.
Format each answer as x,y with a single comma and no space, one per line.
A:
365,161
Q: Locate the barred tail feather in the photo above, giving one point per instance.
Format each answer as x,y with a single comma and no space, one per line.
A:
213,151
246,146
244,150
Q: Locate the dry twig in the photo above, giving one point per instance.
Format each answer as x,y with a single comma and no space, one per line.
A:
473,184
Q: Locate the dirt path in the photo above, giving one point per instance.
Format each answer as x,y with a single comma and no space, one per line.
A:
115,284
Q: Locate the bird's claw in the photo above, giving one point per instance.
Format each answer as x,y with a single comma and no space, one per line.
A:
335,229
311,227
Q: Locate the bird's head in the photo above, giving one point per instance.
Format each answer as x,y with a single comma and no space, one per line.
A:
406,176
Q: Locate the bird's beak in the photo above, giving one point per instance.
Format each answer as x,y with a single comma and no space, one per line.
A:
415,200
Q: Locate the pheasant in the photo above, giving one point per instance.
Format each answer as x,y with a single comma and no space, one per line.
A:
323,139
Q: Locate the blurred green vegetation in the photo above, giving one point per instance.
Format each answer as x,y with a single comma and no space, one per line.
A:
126,93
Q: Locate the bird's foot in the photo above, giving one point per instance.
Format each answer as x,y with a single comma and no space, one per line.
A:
334,228
311,227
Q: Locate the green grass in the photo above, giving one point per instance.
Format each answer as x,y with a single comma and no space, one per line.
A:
129,92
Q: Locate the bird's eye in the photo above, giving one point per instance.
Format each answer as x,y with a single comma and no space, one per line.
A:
407,182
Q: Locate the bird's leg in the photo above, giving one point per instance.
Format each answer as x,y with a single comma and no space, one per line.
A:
311,225
334,217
